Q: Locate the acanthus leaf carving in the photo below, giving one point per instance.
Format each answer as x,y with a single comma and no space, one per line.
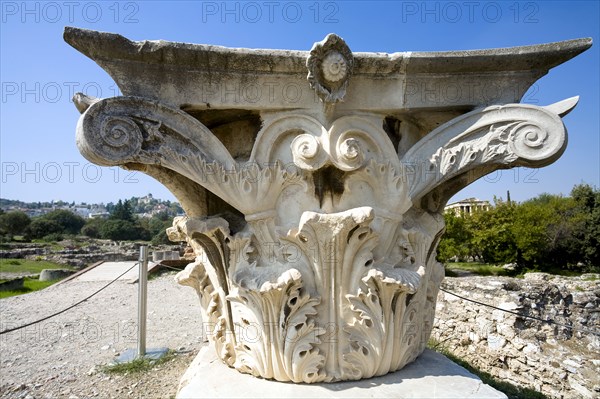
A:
284,338
317,261
328,288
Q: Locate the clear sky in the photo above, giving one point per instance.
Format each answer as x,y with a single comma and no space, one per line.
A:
40,72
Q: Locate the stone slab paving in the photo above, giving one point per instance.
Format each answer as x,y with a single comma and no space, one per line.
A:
108,271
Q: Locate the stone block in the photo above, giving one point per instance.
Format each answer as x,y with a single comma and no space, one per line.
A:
54,274
432,375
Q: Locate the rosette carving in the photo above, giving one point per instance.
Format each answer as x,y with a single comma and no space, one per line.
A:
330,65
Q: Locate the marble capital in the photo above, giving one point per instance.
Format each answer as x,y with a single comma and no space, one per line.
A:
315,222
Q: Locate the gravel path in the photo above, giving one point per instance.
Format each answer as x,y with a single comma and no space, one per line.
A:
61,357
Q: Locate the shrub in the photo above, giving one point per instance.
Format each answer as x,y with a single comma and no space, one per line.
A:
42,227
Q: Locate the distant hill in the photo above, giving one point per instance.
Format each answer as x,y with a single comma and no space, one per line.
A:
146,206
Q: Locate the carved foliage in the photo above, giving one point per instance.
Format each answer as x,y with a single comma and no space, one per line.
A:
282,313
207,238
335,290
277,330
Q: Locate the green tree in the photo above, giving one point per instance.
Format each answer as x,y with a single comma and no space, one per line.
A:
585,197
69,222
161,238
158,226
591,250
587,200
14,223
493,238
549,231
41,227
122,211
116,229
93,228
456,241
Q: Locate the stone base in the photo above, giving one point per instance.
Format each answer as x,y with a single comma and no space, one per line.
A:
432,375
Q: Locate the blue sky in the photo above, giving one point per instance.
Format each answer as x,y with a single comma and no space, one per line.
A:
40,72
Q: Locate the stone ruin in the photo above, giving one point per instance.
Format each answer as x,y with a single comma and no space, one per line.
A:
314,182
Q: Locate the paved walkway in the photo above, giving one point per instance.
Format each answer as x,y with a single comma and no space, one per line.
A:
108,271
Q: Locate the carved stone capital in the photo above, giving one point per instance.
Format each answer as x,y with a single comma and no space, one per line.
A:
315,226
332,274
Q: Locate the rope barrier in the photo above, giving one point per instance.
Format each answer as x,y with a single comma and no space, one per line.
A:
68,308
549,321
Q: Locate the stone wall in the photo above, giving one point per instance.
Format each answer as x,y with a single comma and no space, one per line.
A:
557,361
82,256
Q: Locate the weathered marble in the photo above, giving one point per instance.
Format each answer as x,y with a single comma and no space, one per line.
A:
432,375
315,216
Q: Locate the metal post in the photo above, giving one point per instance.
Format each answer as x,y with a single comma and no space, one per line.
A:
142,298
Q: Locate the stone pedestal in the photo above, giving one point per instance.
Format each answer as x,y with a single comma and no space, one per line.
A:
314,182
432,375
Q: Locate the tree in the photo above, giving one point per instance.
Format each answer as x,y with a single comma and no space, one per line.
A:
587,201
116,229
456,241
41,227
93,228
585,197
591,241
161,238
122,211
551,232
69,222
14,223
493,238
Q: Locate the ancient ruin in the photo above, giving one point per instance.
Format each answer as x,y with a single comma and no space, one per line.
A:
314,181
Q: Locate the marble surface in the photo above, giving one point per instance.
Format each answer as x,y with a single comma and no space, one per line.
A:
432,375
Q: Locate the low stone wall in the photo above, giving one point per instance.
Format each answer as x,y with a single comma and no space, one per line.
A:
557,361
21,253
79,257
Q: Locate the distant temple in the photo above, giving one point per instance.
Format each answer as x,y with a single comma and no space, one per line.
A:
467,206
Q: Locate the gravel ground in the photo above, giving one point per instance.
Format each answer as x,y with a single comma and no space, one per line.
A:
62,357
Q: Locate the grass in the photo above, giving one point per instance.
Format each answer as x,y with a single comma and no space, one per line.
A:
29,285
160,273
138,365
28,266
480,269
591,278
450,273
511,390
